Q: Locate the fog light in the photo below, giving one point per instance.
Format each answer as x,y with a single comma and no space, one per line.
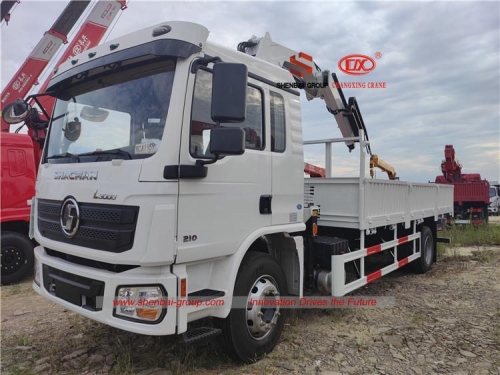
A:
139,303
36,273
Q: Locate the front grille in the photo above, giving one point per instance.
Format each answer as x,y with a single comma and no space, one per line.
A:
48,226
98,234
102,226
49,208
101,215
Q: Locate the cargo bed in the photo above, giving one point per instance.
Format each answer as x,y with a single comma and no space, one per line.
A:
365,203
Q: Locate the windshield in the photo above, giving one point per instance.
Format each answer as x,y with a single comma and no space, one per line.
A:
493,192
120,115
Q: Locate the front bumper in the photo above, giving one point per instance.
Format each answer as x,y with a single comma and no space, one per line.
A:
107,282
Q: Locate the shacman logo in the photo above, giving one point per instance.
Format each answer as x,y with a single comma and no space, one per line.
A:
357,64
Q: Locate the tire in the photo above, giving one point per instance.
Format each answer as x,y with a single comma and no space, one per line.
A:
424,263
246,335
17,257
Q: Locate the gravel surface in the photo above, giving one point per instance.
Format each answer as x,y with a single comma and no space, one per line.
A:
444,322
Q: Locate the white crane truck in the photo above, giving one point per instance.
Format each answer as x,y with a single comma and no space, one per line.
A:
173,168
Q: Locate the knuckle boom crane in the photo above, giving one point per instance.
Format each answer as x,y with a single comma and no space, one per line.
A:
470,193
317,84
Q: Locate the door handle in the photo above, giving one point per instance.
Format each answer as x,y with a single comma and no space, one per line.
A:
265,204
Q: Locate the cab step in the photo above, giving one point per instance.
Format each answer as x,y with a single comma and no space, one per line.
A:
205,294
201,335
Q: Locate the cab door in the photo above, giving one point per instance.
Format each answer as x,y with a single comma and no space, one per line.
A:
287,157
217,212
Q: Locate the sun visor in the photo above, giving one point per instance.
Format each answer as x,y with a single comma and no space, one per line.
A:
143,52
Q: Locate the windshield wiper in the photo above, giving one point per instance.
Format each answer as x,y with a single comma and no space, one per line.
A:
64,155
116,151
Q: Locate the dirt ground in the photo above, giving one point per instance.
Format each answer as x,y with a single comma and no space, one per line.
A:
494,219
444,322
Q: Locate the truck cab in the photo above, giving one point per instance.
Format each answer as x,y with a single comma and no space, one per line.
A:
494,207
130,200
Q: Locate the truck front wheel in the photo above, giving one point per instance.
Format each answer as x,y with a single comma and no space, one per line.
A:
17,257
248,334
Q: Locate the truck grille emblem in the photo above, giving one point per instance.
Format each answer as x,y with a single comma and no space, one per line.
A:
70,217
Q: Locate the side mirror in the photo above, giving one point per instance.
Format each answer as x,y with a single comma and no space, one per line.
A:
229,92
227,141
16,112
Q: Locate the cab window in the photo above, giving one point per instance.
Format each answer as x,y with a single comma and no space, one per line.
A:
202,123
278,142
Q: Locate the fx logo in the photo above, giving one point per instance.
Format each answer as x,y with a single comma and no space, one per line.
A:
356,65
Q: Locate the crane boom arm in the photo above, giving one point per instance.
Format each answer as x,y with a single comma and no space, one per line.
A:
90,34
376,162
451,167
316,83
44,51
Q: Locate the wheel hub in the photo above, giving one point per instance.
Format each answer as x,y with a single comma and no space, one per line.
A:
428,250
12,260
262,307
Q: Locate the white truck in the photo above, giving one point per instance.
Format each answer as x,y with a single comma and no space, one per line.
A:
494,206
173,169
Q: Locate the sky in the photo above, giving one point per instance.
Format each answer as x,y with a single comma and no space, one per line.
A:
440,62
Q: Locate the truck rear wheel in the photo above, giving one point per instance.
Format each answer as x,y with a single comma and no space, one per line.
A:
248,334
424,263
17,257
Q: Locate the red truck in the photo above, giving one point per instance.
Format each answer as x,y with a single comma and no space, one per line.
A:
18,186
20,159
471,193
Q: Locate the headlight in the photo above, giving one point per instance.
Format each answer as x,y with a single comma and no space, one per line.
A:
36,272
143,303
